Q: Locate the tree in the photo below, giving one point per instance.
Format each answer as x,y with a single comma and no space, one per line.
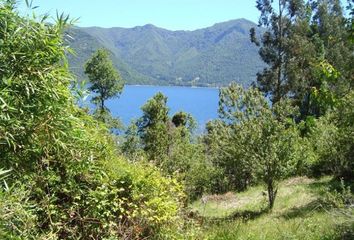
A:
170,145
184,121
327,33
182,151
350,8
180,119
104,78
132,145
329,24
278,21
257,140
153,128
299,36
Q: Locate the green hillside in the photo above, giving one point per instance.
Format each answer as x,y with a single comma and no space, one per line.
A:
306,209
212,56
85,45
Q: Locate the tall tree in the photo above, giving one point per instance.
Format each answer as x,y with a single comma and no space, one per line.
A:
104,78
300,37
350,8
329,23
278,18
333,56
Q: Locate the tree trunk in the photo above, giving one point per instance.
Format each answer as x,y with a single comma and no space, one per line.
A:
272,193
102,104
102,115
278,93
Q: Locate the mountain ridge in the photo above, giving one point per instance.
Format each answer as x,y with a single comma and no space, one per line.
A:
178,30
211,56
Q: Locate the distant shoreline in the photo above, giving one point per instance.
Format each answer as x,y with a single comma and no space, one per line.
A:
185,86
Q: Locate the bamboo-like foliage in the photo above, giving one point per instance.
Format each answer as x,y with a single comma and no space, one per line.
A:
61,158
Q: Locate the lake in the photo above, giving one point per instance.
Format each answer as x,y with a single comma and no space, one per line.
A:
202,103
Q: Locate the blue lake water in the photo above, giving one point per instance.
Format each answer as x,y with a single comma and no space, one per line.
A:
202,103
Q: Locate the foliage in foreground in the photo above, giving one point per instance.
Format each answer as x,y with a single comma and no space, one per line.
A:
69,182
67,179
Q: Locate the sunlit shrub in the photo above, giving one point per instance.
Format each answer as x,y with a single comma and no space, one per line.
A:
71,180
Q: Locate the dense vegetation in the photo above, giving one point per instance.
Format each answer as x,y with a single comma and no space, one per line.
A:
65,175
66,179
212,56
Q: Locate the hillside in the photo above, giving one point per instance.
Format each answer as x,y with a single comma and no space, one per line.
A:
306,209
147,54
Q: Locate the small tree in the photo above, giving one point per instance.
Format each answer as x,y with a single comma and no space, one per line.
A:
132,145
104,78
180,119
185,121
258,140
276,146
153,128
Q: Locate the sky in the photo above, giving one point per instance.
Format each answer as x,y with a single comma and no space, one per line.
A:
169,14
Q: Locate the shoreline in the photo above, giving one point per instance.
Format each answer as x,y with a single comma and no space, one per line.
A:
147,85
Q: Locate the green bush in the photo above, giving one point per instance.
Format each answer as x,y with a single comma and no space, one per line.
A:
71,180
154,201
18,218
331,140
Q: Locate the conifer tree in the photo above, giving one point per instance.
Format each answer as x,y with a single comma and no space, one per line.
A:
278,17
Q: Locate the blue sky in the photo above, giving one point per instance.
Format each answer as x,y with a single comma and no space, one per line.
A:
170,14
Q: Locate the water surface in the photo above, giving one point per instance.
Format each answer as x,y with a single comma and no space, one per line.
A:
202,103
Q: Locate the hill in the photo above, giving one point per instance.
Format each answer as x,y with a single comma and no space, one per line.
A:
212,56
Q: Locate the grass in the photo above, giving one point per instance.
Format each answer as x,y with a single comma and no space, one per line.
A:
300,212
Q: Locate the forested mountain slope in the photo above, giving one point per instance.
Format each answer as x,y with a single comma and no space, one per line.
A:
212,56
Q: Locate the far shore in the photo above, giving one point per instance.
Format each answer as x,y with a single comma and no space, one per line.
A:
182,86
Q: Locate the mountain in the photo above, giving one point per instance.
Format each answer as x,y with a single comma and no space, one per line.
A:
212,56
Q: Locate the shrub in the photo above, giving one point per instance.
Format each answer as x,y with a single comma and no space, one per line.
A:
61,157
